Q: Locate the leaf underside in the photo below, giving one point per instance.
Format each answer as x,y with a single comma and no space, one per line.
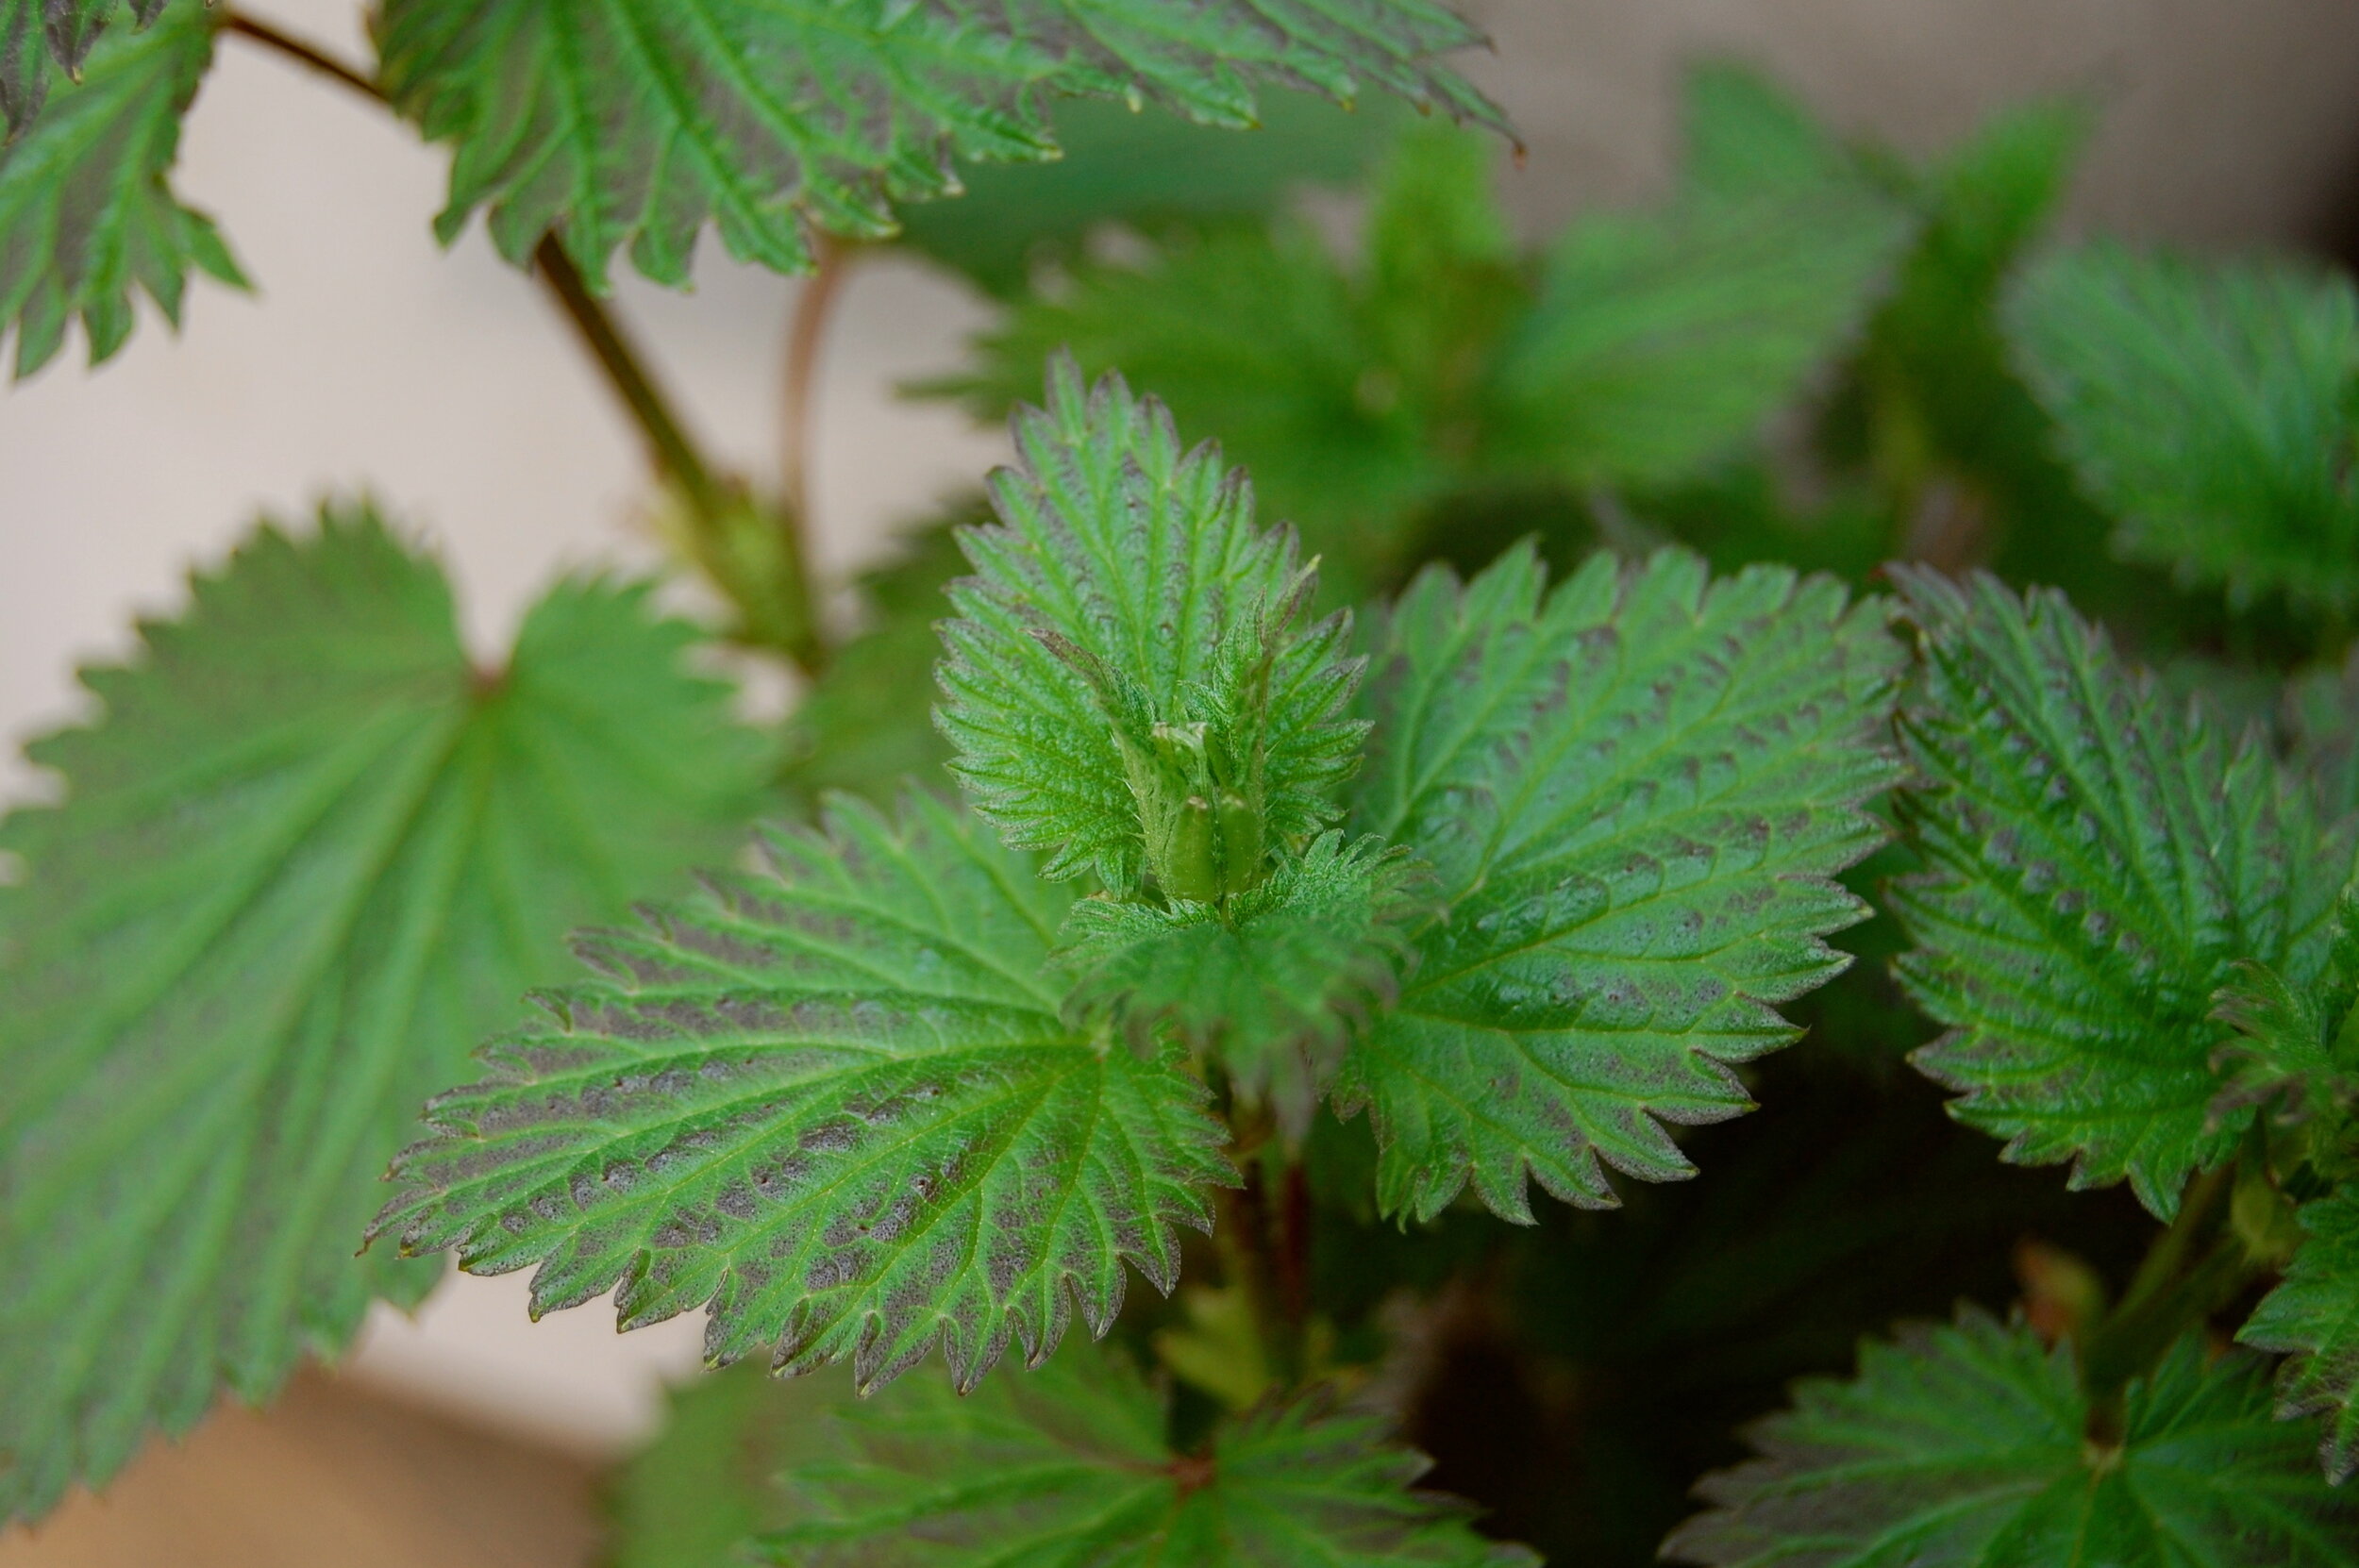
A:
2097,860
1144,558
834,1099
613,122
308,855
83,199
1635,792
38,37
2314,1318
1069,1466
1963,1445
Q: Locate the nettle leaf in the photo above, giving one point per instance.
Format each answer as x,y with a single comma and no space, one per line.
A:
1270,984
2313,1317
1343,391
1071,1466
1128,612
608,123
2210,409
708,1482
1745,136
307,854
834,1099
1662,340
1967,1445
1145,169
2099,858
1635,792
83,198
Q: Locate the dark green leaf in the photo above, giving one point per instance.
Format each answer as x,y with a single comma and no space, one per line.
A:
2210,410
834,1099
1270,984
83,199
306,857
609,123
1126,603
2098,859
1069,1466
1141,167
1967,1446
2314,1318
1635,790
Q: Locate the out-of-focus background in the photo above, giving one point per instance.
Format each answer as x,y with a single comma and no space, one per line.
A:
368,358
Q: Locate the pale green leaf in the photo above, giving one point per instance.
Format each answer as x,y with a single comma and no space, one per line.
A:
1069,1466
612,123
1635,792
2098,859
1967,1446
1146,168
2211,409
307,855
1663,341
2313,1317
834,1099
1746,137
708,1482
83,198
1267,986
1128,594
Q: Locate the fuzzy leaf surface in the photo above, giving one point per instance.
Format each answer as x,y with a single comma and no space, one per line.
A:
2098,860
306,858
834,1099
2209,410
1270,986
612,123
1661,341
2313,1318
1963,1445
83,196
1143,560
1635,792
39,36
1069,1466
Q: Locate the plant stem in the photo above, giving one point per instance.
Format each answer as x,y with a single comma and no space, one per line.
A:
804,334
305,55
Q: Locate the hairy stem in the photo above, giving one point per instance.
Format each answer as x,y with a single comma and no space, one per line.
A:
718,504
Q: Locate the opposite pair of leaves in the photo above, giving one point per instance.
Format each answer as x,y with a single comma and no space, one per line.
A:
1967,1445
307,854
2100,859
834,1098
2213,410
83,198
612,123
1064,1467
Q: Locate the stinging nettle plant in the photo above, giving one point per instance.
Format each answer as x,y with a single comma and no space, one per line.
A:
1267,891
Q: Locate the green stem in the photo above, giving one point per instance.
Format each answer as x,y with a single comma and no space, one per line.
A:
716,505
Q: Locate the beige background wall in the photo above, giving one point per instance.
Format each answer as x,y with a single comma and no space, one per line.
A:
441,383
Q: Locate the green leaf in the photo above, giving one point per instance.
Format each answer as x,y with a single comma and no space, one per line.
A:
1663,341
608,123
1128,607
1144,167
2314,1318
2097,860
1635,792
834,1099
1966,1445
2321,721
2286,1054
1268,986
1347,392
709,1481
306,855
35,33
1745,137
83,199
1069,1466
2210,409
866,725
